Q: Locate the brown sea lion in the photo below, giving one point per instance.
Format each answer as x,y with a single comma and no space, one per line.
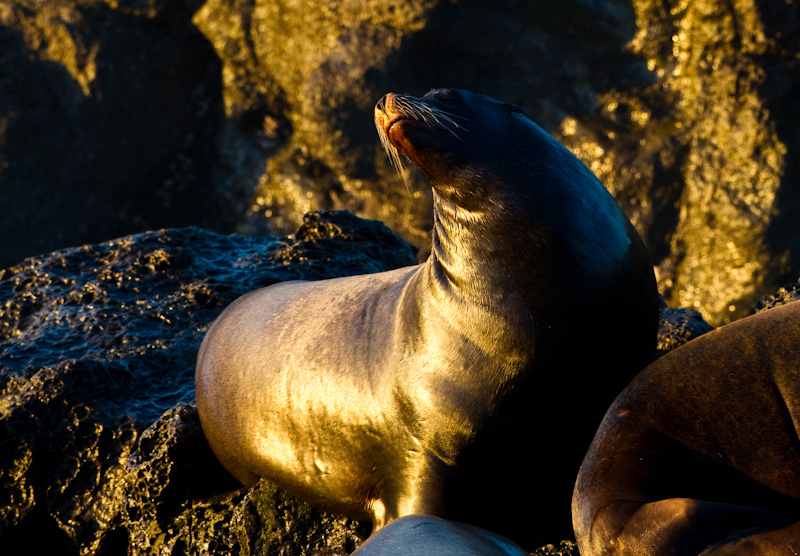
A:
424,390
700,453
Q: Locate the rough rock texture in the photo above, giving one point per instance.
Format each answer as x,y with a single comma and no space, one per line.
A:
703,155
97,342
124,115
109,122
786,294
678,326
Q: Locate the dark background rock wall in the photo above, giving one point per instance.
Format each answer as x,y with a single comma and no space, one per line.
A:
118,116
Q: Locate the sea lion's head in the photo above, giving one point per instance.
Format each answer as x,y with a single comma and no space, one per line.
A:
502,170
467,145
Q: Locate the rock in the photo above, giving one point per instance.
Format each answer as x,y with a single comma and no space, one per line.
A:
109,119
180,500
702,155
786,294
678,326
101,451
563,548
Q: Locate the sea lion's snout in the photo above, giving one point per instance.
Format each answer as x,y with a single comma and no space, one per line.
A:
405,123
394,108
383,108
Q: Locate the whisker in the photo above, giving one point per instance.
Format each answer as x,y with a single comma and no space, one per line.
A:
418,110
393,154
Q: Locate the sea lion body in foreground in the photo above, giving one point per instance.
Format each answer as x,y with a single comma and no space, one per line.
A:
425,535
700,453
422,390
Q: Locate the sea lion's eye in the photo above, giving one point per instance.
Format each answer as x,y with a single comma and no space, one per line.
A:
442,94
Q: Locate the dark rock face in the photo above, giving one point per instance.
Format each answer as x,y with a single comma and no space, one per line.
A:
121,116
678,326
703,154
98,342
786,294
109,121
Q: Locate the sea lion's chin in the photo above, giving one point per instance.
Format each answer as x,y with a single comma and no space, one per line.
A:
401,135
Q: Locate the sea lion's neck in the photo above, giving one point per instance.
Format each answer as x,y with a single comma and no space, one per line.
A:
468,288
469,260
452,248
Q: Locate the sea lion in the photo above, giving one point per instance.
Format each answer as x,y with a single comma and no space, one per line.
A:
700,453
423,390
425,535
